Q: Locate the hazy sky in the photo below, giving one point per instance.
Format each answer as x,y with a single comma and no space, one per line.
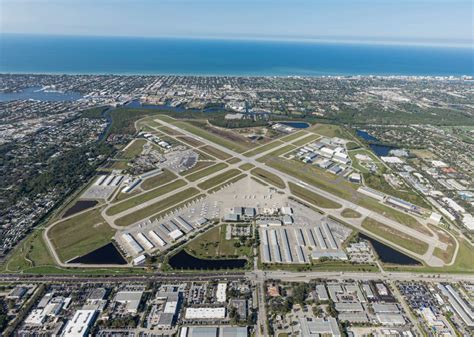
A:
387,20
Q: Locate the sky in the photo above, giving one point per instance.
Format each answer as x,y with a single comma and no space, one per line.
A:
409,21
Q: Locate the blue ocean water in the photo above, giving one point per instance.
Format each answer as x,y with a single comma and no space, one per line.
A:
114,55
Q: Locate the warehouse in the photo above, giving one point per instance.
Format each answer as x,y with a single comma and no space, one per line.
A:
146,243
132,243
205,313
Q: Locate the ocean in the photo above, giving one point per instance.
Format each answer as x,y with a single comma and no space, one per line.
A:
169,56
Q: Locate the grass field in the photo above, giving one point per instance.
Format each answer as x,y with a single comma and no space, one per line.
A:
263,148
378,183
156,207
277,153
231,181
31,253
341,188
312,197
219,179
357,164
199,166
134,149
213,244
233,160
205,172
331,130
191,141
204,156
307,139
350,213
268,177
462,264
119,165
215,152
293,136
80,235
213,137
246,166
141,198
160,179
399,238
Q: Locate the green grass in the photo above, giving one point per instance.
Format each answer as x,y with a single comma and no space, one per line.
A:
134,149
341,188
207,171
156,207
350,213
199,166
80,235
231,181
31,253
160,179
215,138
277,153
462,264
263,148
191,141
219,179
233,160
395,236
268,177
246,166
213,244
378,183
312,197
293,136
307,139
358,165
215,152
141,198
331,130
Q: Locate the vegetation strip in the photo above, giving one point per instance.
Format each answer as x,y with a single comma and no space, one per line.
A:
218,179
144,197
268,177
156,207
203,173
312,197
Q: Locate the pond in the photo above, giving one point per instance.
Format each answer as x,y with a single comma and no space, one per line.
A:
107,254
379,149
183,260
80,206
387,254
39,94
296,125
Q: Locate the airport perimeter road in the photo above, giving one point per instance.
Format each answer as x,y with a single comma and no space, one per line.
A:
432,242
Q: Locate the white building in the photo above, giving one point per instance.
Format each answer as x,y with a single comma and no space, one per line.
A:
80,324
221,292
205,313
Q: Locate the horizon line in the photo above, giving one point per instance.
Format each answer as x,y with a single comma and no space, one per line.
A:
465,44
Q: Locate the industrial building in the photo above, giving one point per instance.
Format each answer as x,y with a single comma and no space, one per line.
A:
297,244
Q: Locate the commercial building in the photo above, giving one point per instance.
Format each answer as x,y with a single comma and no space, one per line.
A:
80,324
131,299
